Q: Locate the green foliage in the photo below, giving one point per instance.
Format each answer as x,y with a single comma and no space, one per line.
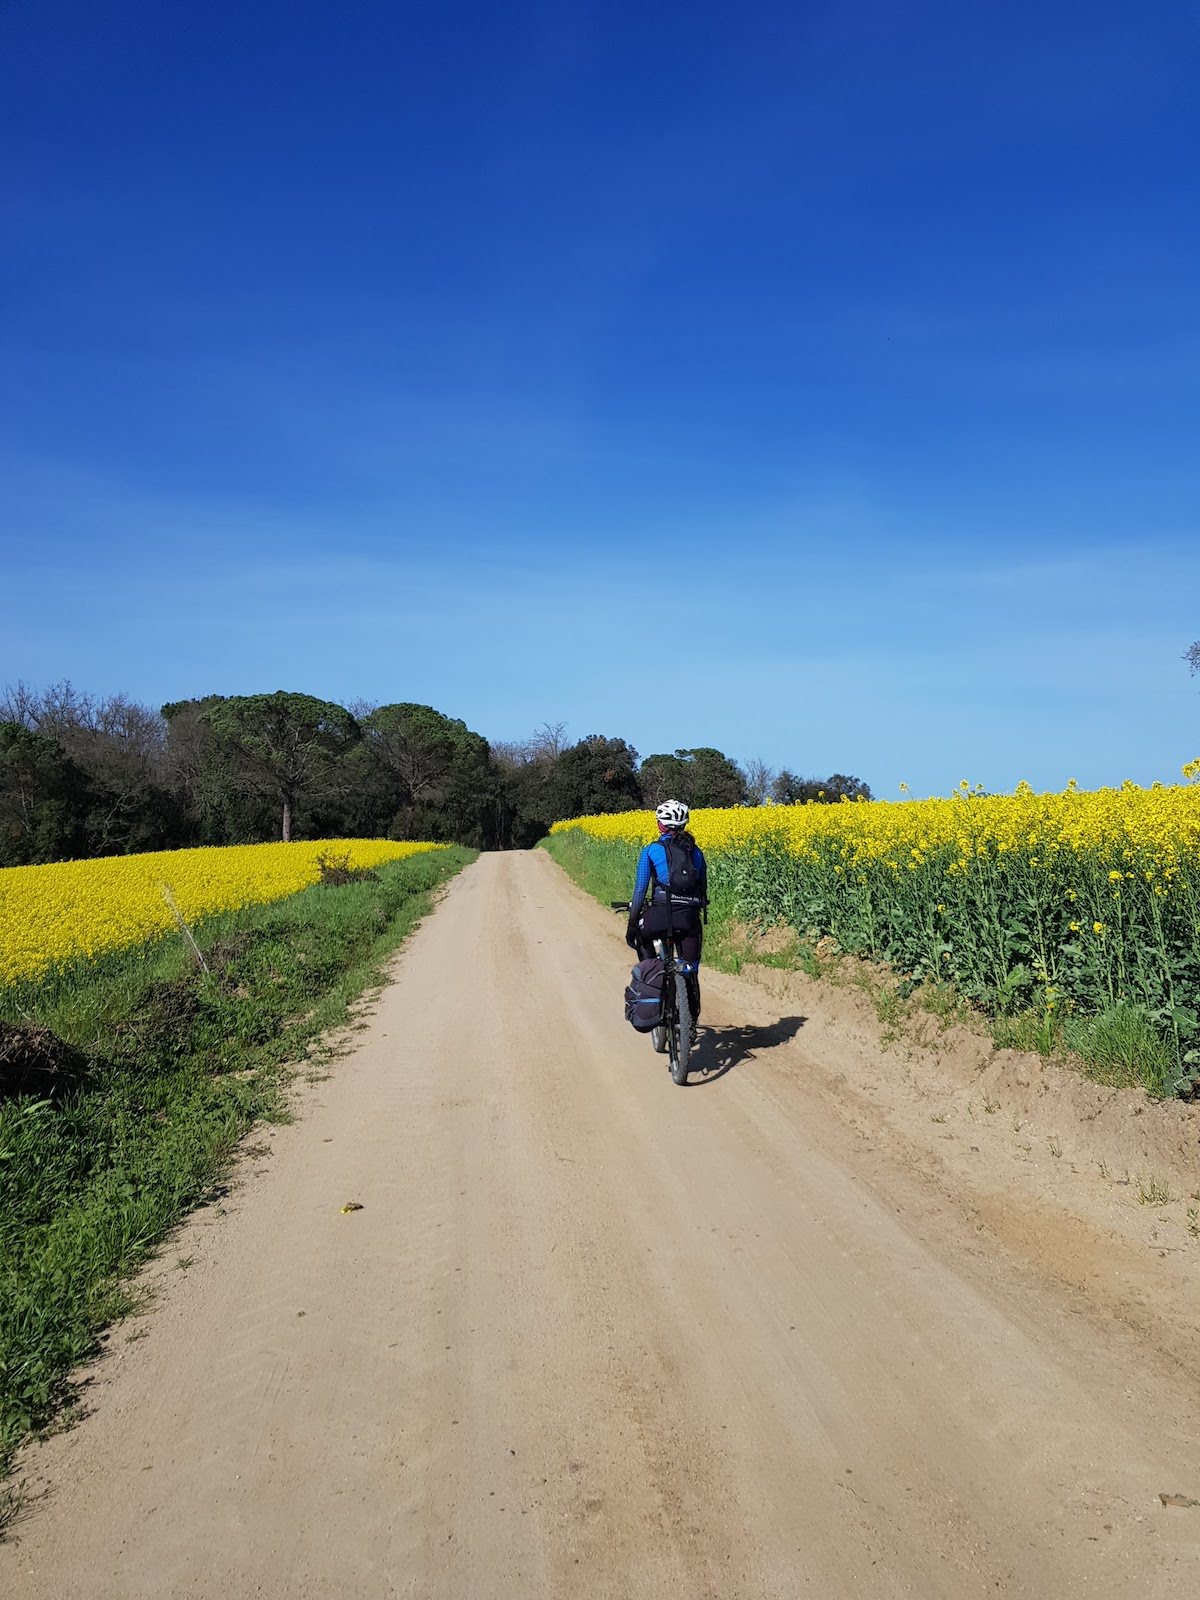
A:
174,1065
598,774
789,790
287,742
1122,1047
1006,935
217,802
45,799
83,777
425,776
701,777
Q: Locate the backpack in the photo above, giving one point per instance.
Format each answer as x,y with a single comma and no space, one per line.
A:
682,873
644,995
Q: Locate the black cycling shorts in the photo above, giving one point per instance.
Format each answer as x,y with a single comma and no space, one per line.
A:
684,921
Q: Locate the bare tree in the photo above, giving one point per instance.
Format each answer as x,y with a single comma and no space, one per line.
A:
1192,656
548,742
120,744
759,778
510,752
542,748
20,704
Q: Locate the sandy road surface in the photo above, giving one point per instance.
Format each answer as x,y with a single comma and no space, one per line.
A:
595,1335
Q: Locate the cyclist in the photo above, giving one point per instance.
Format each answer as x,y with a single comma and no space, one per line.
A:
677,861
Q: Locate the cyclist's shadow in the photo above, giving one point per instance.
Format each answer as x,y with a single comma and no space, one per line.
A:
718,1050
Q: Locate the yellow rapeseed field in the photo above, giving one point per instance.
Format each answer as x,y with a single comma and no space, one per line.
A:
1075,902
68,909
1158,826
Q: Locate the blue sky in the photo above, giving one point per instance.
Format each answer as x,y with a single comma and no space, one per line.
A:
819,381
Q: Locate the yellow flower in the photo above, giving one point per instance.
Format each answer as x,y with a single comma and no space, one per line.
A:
1012,852
68,909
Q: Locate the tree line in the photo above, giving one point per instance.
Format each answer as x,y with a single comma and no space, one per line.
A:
86,776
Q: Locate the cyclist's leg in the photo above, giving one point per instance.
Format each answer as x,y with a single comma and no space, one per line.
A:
652,926
688,944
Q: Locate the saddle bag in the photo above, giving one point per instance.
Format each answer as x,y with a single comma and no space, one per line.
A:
644,995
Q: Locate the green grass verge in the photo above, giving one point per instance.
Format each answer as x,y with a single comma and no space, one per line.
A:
1119,1047
166,1067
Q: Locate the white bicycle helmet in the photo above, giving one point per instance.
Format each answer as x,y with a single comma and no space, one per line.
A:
672,814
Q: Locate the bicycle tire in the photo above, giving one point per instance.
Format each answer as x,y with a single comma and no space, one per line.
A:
683,1034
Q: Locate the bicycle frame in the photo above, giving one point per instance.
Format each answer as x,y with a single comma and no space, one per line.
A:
664,948
673,971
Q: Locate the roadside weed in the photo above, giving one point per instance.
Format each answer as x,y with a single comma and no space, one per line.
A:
1153,1192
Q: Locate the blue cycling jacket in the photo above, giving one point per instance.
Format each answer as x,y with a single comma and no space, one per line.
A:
652,869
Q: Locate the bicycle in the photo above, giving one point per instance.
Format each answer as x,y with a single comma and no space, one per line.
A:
676,1036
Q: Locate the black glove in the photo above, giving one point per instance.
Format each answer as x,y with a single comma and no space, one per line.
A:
632,934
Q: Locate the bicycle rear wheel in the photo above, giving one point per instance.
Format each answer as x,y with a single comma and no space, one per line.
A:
682,1033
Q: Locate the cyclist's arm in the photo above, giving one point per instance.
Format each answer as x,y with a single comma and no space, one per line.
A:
641,885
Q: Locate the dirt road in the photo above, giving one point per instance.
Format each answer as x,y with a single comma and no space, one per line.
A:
594,1335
